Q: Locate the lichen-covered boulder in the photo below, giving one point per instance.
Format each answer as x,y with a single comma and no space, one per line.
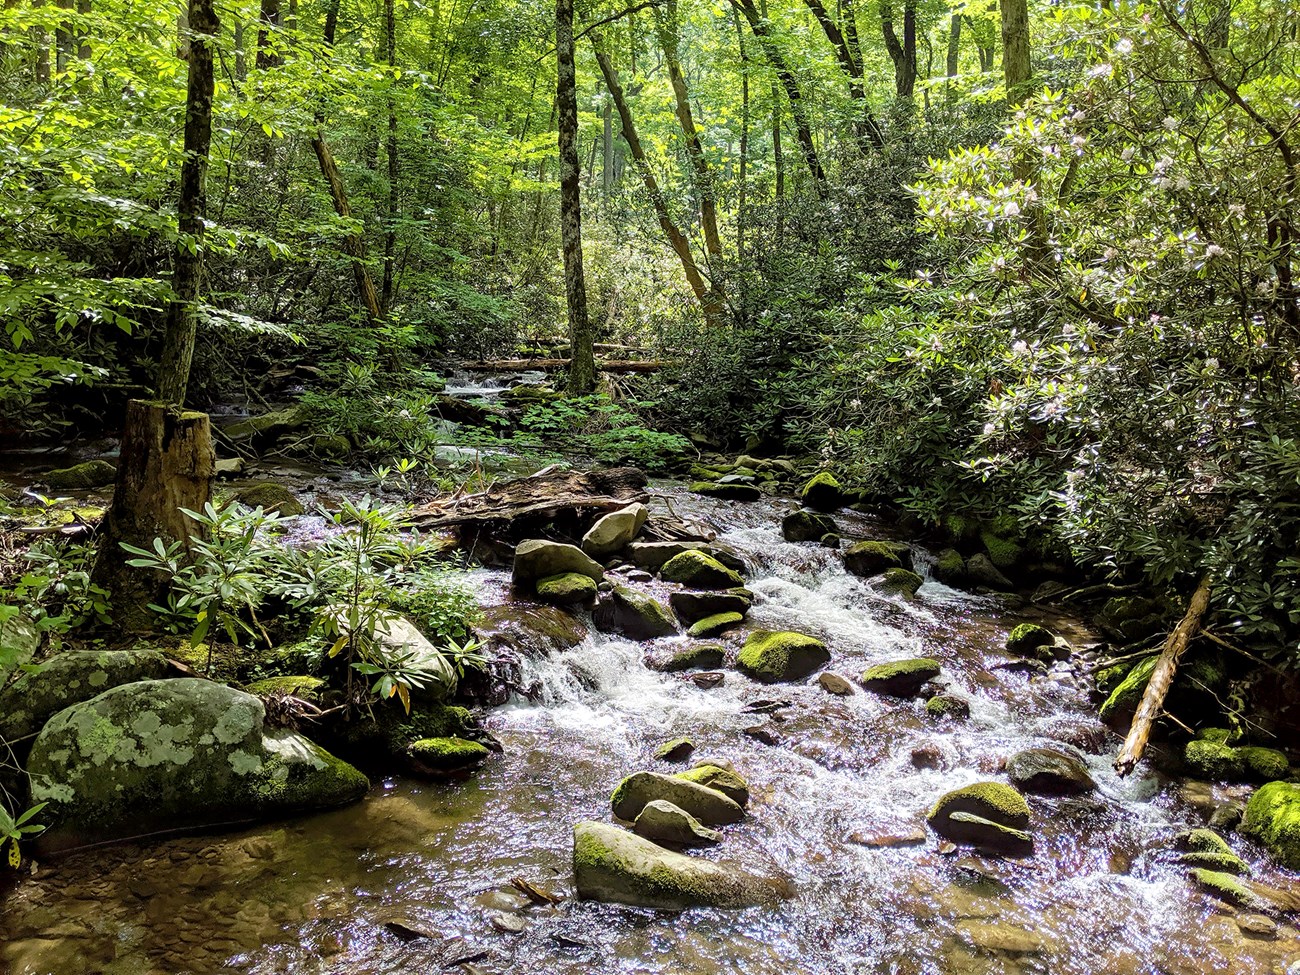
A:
715,624
700,571
727,491
822,492
566,588
539,558
1049,772
700,656
663,822
902,678
724,780
694,606
871,558
613,531
772,657
91,474
899,582
1273,818
990,815
634,615
69,678
270,497
438,757
709,806
807,526
618,867
19,639
1031,640
181,754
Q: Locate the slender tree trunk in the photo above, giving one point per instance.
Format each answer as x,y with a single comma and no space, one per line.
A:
241,56
178,342
866,129
390,233
42,42
1015,50
713,311
742,176
62,39
901,52
582,371
83,40
954,45
269,19
607,153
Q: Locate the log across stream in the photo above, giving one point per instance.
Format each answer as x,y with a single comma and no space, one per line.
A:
418,877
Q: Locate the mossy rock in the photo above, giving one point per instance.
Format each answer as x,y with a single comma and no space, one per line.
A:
1210,760
871,558
526,395
807,526
733,491
1129,618
950,568
540,558
1273,818
702,656
901,678
1224,736
1220,862
994,801
772,657
1108,678
615,866
566,588
730,783
268,426
1002,552
634,615
709,806
960,528
700,571
1124,699
331,446
1228,888
822,492
1031,640
947,706
175,754
675,750
270,497
969,829
900,582
442,756
694,606
1202,840
294,686
980,571
1050,772
713,625
1263,764
90,474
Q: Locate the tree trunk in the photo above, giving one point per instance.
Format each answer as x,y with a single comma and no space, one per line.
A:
742,188
1015,50
167,463
901,52
83,41
390,234
1161,679
954,45
582,372
62,39
866,129
42,42
270,23
607,153
178,341
713,312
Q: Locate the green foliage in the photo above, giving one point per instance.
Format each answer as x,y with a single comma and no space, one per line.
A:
56,591
14,830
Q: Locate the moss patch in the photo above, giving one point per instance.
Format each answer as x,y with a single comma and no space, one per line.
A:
1028,639
900,582
566,588
901,678
871,558
994,801
776,656
445,754
699,571
1210,760
1273,817
822,492
715,624
729,783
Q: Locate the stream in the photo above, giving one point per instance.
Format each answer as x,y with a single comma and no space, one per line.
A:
834,802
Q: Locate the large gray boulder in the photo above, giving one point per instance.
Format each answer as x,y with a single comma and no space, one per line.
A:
636,616
709,806
175,755
618,867
1049,772
69,678
663,822
538,558
614,530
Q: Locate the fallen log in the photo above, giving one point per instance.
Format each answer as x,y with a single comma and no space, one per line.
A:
544,495
1161,678
553,365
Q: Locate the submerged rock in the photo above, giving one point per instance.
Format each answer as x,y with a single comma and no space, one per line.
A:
989,815
1047,771
709,806
566,588
91,474
1273,818
872,557
700,571
772,657
69,678
634,615
528,629
715,624
179,754
663,822
615,866
695,606
441,756
807,526
538,558
1230,888
902,678
725,780
822,492
614,530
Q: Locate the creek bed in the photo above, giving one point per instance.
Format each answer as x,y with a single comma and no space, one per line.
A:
1100,895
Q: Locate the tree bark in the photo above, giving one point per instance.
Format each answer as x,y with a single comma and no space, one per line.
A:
83,41
269,18
901,52
42,42
742,180
167,463
182,312
1161,679
866,129
390,233
954,45
62,39
1015,50
582,371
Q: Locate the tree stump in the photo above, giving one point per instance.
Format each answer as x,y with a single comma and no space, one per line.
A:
167,463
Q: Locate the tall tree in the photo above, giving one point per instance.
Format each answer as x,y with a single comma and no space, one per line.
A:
1015,49
582,368
902,51
390,230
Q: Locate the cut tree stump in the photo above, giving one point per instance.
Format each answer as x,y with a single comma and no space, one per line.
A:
541,497
167,463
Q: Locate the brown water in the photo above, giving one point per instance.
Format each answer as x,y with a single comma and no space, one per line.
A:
1099,896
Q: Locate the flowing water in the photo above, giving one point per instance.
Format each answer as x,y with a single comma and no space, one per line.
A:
1099,896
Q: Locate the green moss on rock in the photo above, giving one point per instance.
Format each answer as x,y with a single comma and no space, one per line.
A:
1229,888
806,526
900,582
731,784
1273,818
270,497
950,568
633,614
994,801
1202,840
901,678
699,570
871,558
822,492
566,588
1028,639
947,706
442,755
1126,696
780,656
1263,764
715,624
91,474
296,686
1220,862
1210,760
704,656
1002,552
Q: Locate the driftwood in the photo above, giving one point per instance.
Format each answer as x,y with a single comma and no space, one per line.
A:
545,494
1161,679
552,365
